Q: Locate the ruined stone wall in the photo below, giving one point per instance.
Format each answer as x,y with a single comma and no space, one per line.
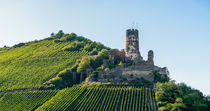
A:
137,74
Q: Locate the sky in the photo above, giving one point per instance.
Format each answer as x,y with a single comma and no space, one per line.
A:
178,31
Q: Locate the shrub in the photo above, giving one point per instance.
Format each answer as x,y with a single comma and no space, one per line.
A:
19,45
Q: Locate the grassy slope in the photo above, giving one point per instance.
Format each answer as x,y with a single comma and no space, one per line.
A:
34,63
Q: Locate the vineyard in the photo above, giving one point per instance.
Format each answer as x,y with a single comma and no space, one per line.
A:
20,101
102,99
31,65
25,69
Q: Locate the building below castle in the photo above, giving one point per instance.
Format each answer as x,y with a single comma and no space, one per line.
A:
140,69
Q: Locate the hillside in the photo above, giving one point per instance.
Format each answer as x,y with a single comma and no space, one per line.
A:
28,65
72,73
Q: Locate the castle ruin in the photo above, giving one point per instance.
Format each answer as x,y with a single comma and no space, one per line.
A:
142,68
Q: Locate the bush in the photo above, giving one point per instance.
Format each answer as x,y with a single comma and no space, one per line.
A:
19,45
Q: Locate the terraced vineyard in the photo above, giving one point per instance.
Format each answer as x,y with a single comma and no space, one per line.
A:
31,65
102,99
20,101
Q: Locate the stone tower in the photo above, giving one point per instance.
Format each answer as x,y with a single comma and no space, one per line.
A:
132,46
150,60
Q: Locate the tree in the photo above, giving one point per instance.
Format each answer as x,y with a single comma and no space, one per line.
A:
179,97
59,34
84,64
103,54
178,105
166,95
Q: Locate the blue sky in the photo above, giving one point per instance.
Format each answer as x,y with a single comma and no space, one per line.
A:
177,31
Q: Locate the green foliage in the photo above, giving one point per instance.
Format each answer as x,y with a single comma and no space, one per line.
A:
94,52
75,66
95,75
103,54
25,101
179,97
35,63
1,94
59,34
62,100
75,46
19,45
160,78
66,78
84,64
94,63
81,38
94,45
38,61
69,37
101,68
55,83
97,98
145,82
